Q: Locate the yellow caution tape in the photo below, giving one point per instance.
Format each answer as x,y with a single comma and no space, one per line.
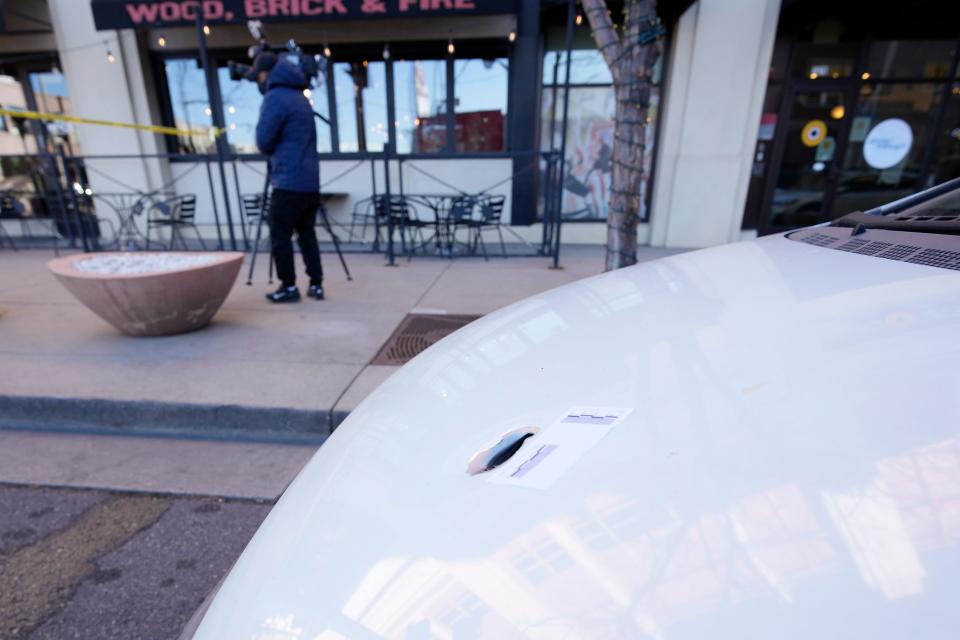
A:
170,131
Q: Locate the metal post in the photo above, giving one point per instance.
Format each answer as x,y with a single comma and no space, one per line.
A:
242,212
61,201
213,199
547,244
87,246
216,106
373,199
571,13
388,150
451,114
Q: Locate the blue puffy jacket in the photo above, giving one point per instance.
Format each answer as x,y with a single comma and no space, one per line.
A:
286,131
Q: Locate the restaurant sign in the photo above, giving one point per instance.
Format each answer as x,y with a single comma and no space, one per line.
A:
144,14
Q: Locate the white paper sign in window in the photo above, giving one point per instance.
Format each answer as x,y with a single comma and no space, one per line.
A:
888,143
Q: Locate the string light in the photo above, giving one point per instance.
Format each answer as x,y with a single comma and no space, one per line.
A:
206,29
512,37
232,109
326,50
450,47
579,19
386,51
162,41
110,57
865,75
307,93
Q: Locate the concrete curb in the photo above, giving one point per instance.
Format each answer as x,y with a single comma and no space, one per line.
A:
128,417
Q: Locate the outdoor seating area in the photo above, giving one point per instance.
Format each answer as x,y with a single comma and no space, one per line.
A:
447,225
441,224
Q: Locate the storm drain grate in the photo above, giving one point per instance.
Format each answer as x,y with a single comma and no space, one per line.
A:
417,332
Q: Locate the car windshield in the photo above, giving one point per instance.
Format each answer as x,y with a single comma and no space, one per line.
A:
947,204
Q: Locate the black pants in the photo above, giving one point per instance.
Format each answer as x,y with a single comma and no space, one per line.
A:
294,211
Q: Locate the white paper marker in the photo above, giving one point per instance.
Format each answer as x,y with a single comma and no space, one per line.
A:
545,457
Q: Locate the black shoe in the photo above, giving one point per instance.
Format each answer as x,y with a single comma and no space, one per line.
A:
284,294
315,291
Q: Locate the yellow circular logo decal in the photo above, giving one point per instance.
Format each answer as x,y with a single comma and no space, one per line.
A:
813,133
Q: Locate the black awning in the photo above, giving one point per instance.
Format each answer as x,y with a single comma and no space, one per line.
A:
146,14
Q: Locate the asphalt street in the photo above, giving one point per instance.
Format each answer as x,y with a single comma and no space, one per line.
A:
79,563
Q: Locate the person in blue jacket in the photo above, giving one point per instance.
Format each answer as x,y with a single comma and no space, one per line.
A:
286,133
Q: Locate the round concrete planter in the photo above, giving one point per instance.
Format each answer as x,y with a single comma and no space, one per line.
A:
155,303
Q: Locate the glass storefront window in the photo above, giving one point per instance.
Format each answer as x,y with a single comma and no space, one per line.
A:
811,131
587,66
361,105
819,62
946,155
586,187
52,96
190,104
862,185
16,137
910,58
420,99
241,110
480,90
589,159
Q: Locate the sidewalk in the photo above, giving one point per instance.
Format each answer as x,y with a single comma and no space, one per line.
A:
258,369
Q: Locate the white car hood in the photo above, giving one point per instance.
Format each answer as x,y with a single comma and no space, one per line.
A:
790,468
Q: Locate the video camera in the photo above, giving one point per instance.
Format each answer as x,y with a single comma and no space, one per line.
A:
311,66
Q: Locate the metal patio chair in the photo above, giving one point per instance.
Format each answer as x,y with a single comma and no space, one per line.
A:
490,210
10,209
174,214
365,213
406,219
253,208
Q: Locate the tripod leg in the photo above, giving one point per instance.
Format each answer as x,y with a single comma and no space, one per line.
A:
263,214
336,241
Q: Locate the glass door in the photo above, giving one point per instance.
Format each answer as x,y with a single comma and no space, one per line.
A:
811,144
883,158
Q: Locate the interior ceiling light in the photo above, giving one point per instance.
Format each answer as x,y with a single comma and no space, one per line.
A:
512,37
162,41
450,47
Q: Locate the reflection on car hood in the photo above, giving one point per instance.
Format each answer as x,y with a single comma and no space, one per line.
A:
790,467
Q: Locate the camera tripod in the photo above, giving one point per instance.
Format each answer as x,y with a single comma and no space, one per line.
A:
255,249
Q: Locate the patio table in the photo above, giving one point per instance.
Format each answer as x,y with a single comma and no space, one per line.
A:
445,229
127,206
